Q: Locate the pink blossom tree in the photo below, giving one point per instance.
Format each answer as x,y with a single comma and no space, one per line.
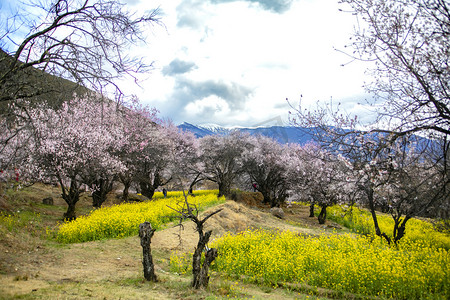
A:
155,152
105,163
407,43
265,163
152,162
73,144
407,182
183,149
222,159
140,126
319,177
372,155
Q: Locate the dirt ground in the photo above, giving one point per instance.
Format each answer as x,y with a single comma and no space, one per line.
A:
31,266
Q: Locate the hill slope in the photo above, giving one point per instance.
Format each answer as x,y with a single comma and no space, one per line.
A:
32,84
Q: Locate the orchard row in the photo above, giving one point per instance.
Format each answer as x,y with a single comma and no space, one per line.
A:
96,143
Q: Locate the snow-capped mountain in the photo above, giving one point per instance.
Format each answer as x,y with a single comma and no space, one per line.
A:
283,134
216,129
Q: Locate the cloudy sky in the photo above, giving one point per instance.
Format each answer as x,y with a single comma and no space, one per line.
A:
234,62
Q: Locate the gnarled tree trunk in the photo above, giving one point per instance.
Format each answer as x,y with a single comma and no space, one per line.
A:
148,187
224,188
71,196
311,210
322,215
146,233
200,276
126,181
400,228
102,187
203,277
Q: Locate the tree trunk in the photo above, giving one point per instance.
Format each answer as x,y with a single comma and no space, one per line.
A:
400,229
369,193
322,215
203,278
274,202
97,199
200,276
125,192
266,197
198,279
147,189
71,196
266,194
311,210
146,233
194,182
126,187
70,214
102,187
224,188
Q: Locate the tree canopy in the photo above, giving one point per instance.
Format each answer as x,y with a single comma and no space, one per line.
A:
409,43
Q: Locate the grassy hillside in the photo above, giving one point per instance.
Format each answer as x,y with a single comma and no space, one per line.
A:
33,85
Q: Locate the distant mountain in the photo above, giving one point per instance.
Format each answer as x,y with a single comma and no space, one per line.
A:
198,131
216,129
283,134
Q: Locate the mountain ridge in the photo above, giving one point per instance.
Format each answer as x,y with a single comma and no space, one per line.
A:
282,134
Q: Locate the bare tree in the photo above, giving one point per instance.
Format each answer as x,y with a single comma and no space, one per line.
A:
409,43
404,175
199,271
51,49
84,41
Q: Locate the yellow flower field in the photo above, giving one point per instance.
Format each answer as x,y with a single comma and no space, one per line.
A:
123,220
349,263
417,231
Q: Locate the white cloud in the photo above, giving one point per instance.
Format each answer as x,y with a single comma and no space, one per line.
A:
211,106
256,53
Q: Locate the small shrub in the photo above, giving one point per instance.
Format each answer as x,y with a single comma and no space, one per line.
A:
180,263
20,220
